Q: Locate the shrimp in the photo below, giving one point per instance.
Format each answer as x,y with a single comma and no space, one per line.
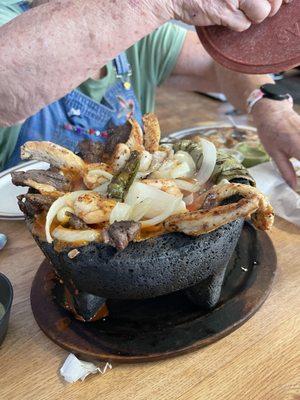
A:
92,208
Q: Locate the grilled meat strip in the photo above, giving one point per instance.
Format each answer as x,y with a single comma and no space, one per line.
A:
41,180
152,132
116,135
91,152
120,234
252,203
54,154
34,203
76,222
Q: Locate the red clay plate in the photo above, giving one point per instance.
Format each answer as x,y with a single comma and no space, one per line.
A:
272,46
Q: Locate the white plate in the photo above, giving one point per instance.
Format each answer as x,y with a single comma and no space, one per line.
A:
9,209
204,129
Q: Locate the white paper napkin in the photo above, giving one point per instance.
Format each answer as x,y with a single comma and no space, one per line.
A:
285,200
74,369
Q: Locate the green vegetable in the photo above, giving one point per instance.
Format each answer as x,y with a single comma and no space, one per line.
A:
122,181
193,148
254,154
227,167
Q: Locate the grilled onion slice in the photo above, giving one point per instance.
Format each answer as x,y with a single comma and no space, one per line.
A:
74,235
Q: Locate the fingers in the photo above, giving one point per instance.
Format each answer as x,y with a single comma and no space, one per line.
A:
256,10
286,169
236,21
275,6
250,11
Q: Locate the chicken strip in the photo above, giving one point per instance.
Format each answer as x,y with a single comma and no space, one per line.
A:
264,217
152,132
120,157
135,141
204,221
53,154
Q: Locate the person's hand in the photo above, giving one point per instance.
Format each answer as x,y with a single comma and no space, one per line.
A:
235,14
279,130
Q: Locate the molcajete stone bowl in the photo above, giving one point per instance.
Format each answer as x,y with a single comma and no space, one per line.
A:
150,268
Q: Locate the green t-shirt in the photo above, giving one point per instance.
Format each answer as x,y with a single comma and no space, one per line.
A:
152,60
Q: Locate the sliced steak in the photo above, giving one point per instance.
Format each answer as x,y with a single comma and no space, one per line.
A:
32,203
50,178
120,234
76,222
91,152
119,134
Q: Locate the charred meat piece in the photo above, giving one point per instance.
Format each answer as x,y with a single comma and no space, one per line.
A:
76,222
120,234
34,203
47,181
91,152
119,134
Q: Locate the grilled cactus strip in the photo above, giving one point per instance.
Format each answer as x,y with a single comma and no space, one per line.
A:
227,167
122,181
193,148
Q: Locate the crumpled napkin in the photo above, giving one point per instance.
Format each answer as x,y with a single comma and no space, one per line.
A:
75,369
285,201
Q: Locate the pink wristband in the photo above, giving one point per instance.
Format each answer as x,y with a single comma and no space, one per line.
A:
257,95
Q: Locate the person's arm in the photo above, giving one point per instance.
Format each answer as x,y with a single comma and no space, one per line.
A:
51,49
278,124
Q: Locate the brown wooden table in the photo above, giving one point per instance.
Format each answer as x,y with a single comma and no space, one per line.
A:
258,361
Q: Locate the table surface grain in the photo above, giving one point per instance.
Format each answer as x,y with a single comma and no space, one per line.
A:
259,361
